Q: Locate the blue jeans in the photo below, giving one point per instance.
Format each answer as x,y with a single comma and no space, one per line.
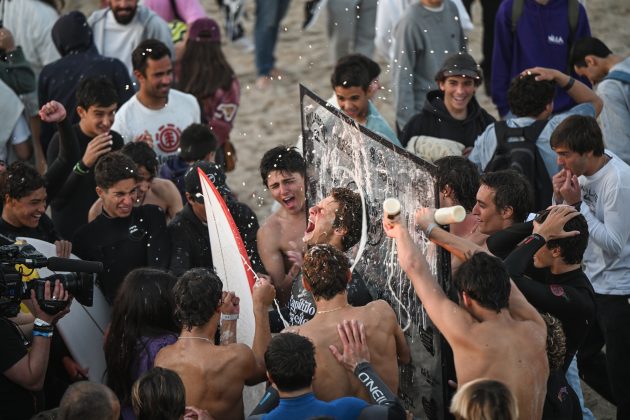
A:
269,13
574,381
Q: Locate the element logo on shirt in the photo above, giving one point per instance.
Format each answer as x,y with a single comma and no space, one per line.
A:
168,138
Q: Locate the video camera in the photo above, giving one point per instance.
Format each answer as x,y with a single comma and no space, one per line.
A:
79,283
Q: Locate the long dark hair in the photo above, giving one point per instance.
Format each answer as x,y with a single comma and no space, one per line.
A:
204,69
144,306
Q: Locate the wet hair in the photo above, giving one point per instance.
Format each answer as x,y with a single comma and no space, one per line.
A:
372,67
290,361
142,154
484,278
159,394
556,342
350,73
113,168
87,400
285,159
148,49
528,97
196,142
462,176
204,69
484,399
511,189
580,133
96,91
571,249
144,307
588,46
349,215
198,294
21,180
325,270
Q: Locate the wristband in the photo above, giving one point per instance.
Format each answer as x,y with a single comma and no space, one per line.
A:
41,323
43,329
229,317
569,84
429,229
37,333
81,169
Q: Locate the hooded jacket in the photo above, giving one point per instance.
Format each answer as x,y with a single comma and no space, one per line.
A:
59,80
435,120
174,170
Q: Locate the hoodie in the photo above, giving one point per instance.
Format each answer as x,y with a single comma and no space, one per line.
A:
59,80
174,170
434,120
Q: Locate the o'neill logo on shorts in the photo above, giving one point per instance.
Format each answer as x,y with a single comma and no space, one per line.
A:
167,138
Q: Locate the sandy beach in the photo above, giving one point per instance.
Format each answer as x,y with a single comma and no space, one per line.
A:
271,117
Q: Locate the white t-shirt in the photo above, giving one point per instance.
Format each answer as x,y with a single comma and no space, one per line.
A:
121,40
164,125
19,134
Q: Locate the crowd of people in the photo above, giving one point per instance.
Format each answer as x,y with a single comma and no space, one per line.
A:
108,119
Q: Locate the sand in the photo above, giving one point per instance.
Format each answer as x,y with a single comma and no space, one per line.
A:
271,117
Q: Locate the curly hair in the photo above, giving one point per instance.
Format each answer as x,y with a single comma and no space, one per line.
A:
284,159
528,97
21,180
198,295
144,306
290,361
143,155
326,271
462,176
349,215
113,168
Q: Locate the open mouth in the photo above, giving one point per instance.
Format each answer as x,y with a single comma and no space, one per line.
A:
289,201
310,227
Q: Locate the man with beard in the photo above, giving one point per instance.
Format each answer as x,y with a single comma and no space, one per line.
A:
119,28
146,116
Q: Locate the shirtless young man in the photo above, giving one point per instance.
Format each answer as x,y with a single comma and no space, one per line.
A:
494,332
214,376
151,190
283,171
326,273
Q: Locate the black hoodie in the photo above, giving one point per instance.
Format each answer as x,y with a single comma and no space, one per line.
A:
434,120
59,80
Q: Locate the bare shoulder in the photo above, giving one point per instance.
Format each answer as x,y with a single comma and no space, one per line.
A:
164,187
270,230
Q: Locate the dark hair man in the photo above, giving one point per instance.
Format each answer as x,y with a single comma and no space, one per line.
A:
123,237
452,111
97,102
611,72
494,332
351,82
283,172
326,273
146,116
197,143
290,363
200,303
190,242
531,98
596,180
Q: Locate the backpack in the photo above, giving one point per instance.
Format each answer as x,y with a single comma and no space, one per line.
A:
621,76
574,14
523,156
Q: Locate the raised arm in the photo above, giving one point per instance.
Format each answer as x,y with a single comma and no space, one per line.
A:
263,295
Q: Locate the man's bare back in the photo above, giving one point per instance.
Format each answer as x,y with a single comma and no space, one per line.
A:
385,339
213,376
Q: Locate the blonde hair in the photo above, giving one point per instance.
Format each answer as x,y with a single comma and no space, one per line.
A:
484,399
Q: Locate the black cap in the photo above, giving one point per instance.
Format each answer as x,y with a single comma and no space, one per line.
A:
460,64
214,173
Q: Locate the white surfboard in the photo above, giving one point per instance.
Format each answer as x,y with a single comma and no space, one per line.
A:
83,327
233,267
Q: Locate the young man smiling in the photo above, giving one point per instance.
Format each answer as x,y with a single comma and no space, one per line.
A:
452,111
123,237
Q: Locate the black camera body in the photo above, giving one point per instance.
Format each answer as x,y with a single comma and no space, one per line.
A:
13,290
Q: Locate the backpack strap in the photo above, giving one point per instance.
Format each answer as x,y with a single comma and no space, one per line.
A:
618,75
529,132
574,15
517,11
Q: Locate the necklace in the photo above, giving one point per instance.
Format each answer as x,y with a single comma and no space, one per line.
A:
198,338
334,309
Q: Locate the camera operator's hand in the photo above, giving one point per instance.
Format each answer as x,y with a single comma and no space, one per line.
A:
64,248
51,293
74,370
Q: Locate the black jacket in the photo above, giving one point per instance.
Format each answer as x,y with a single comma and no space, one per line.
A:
434,120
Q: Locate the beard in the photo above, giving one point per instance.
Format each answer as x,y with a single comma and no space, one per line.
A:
124,19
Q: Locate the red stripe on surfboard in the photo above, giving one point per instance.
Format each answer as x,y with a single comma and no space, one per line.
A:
235,232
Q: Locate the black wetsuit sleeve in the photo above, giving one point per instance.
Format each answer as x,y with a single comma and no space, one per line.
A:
389,407
519,259
268,402
504,241
159,243
180,248
64,154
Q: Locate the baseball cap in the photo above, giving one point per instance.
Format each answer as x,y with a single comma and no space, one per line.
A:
460,64
205,29
215,174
